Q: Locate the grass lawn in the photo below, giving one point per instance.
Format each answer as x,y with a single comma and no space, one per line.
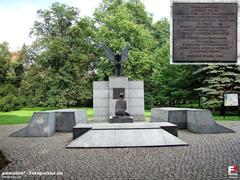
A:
23,115
227,118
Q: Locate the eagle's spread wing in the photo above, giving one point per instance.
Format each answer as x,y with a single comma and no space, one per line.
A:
125,52
110,55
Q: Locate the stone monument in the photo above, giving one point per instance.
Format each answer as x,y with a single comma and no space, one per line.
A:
46,123
117,58
196,120
106,93
121,114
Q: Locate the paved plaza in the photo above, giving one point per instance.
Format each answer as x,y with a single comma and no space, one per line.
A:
207,157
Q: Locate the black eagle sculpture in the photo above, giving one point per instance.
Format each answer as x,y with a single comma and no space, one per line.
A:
118,58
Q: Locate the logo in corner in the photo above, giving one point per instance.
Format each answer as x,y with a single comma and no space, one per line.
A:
233,171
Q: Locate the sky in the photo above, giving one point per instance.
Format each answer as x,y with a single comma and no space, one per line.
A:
17,16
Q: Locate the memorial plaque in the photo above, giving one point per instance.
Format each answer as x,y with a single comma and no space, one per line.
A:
231,99
204,32
117,91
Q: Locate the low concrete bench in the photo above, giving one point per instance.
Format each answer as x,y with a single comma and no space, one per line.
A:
46,123
42,124
66,119
80,129
176,116
201,121
196,120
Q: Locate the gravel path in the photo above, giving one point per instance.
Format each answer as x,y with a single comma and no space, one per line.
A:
206,157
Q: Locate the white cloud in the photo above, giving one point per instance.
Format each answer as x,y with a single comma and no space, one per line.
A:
159,8
16,24
86,7
16,21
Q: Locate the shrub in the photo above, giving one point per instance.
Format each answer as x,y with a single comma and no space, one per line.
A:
9,98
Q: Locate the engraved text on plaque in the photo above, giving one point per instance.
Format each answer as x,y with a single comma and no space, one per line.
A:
205,32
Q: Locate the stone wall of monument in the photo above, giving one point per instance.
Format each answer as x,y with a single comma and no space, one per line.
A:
100,101
136,99
104,102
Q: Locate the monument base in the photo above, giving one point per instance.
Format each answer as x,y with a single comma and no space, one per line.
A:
117,119
80,129
46,123
196,120
120,135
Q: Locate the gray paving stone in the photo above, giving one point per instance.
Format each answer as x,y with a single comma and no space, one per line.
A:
207,157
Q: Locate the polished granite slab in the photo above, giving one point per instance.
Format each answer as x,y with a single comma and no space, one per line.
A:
80,129
136,125
114,138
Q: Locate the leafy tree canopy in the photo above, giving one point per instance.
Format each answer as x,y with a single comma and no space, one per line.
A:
120,22
62,53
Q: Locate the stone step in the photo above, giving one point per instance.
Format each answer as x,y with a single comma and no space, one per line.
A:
80,129
119,138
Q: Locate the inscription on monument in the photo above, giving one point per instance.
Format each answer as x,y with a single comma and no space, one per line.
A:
205,32
117,91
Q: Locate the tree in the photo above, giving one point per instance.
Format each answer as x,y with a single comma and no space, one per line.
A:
55,22
18,66
161,31
121,21
171,85
66,57
117,25
4,62
9,98
9,95
62,53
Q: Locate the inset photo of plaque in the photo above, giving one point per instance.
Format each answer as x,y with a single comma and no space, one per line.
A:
204,33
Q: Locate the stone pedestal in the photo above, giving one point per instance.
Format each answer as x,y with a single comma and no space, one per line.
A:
105,95
202,121
126,119
66,119
80,129
42,124
176,116
46,123
196,120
